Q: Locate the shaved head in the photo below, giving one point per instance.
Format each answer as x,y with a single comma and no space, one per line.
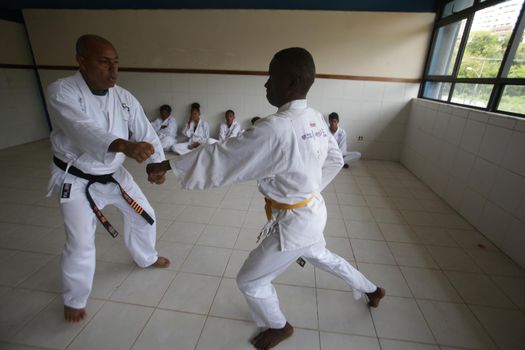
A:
87,42
292,73
299,63
97,61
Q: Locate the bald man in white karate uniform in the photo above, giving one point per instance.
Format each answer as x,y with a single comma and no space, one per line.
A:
294,157
92,118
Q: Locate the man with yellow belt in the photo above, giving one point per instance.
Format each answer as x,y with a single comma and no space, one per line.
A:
294,157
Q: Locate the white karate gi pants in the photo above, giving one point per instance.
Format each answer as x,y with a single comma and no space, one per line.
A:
349,157
181,148
167,142
267,262
78,257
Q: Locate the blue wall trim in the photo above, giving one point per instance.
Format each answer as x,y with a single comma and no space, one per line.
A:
336,5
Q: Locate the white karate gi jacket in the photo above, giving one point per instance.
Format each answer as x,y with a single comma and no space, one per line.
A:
226,132
291,153
340,137
82,131
201,133
169,131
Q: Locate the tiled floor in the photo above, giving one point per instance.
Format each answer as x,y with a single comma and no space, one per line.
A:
444,291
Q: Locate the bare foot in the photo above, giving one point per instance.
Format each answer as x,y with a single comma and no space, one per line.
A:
74,315
375,297
271,337
161,262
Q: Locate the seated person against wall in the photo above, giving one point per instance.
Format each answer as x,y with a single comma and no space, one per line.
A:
166,127
255,119
229,128
197,131
340,137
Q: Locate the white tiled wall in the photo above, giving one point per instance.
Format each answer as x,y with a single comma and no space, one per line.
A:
21,108
474,160
378,111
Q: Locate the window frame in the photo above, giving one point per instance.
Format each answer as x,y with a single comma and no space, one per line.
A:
498,82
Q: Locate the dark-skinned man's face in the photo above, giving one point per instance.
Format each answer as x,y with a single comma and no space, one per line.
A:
99,66
278,84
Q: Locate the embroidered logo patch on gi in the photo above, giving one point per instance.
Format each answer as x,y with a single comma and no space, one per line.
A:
301,262
66,190
125,106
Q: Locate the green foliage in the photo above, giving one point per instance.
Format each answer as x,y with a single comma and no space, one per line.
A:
483,55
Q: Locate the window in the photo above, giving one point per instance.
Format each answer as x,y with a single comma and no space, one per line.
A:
477,56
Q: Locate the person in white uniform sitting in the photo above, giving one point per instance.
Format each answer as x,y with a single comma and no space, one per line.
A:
166,127
197,131
340,137
293,157
92,118
229,128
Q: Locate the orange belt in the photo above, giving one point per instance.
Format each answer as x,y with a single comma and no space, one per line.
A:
270,203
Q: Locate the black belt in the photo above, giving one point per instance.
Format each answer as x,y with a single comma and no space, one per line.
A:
103,179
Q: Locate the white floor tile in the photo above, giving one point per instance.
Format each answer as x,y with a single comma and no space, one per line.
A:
195,214
170,330
115,326
416,255
394,232
335,341
364,230
434,236
478,289
400,318
454,259
339,312
225,334
20,266
207,260
219,236
388,277
183,232
176,252
388,344
335,228
298,304
461,286
229,302
507,327
144,286
108,277
513,288
455,325
429,284
191,293
47,279
228,217
48,329
372,252
18,306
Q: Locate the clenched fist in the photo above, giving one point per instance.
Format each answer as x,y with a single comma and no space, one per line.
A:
140,151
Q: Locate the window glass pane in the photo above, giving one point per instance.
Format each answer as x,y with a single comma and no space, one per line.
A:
513,99
436,90
446,48
472,94
517,70
488,39
452,7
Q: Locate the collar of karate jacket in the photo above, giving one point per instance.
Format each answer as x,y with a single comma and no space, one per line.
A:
295,104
